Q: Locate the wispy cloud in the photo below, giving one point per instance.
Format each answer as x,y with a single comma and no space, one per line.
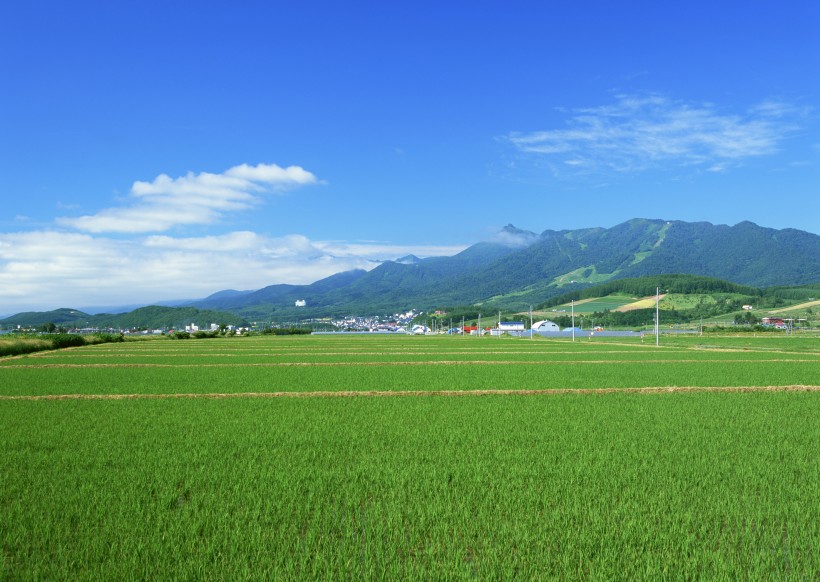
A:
639,133
50,269
378,250
512,237
193,199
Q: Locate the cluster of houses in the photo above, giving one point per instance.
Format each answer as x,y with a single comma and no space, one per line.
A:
510,327
214,327
398,322
776,322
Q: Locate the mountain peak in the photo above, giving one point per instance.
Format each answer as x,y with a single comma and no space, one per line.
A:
513,236
408,260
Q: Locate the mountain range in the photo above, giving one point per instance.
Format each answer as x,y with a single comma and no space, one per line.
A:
516,270
523,268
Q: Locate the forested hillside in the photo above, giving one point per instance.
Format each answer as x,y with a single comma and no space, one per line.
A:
151,317
529,269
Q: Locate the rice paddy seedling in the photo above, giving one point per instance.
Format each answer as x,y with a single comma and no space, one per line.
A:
631,485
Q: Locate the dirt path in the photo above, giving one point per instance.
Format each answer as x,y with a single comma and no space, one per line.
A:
808,358
383,393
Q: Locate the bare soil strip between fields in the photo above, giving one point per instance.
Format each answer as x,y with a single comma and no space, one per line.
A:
420,363
148,356
385,393
159,354
601,348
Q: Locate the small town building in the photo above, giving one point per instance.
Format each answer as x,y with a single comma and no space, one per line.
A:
545,325
510,326
777,322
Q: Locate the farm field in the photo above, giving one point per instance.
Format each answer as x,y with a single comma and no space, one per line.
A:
583,306
373,457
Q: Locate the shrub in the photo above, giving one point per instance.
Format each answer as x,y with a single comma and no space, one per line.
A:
109,338
201,334
20,346
286,331
65,340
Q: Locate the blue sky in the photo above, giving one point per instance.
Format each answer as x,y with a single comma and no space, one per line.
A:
155,151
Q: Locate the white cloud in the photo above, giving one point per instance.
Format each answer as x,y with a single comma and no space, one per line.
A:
48,269
639,133
193,199
512,238
385,251
273,174
231,242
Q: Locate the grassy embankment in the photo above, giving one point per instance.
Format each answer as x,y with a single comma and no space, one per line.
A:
17,345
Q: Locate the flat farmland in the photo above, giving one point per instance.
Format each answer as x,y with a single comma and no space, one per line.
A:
373,457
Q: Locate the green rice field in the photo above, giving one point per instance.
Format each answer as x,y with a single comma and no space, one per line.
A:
402,457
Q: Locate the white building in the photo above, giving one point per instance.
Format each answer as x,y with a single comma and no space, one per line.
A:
510,326
301,303
545,325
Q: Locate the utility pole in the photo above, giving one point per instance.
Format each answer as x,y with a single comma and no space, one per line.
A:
573,320
531,336
657,316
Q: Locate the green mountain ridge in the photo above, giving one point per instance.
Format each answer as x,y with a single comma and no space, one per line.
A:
521,268
512,276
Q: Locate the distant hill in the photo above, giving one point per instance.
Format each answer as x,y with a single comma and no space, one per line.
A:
279,296
226,294
63,316
151,317
522,268
683,298
390,287
666,283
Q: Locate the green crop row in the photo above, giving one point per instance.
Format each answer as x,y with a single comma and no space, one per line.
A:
89,358
18,380
380,343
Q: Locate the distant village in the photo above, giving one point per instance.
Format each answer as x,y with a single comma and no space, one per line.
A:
404,323
410,322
